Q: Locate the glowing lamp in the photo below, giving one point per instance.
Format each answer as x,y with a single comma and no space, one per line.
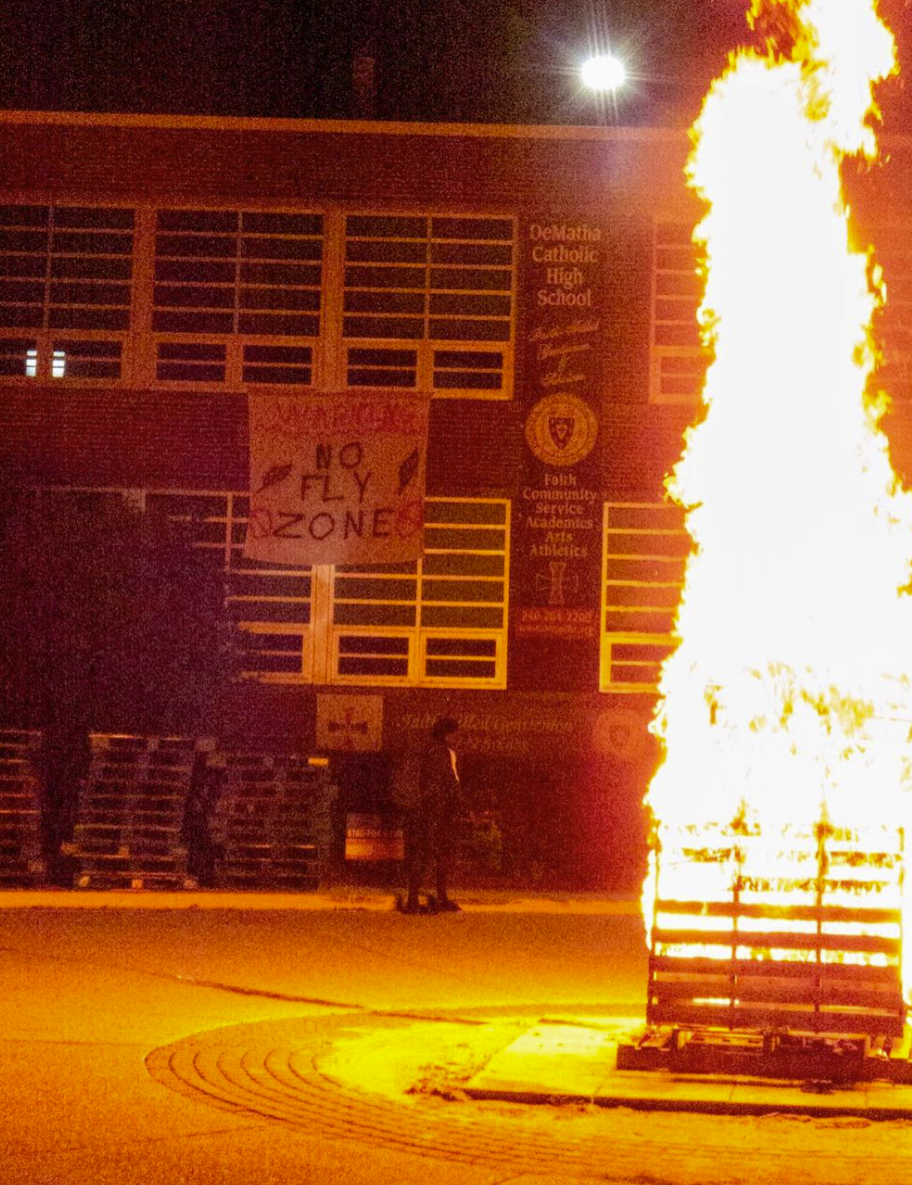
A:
603,73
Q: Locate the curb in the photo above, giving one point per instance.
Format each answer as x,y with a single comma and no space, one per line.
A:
682,1104
306,902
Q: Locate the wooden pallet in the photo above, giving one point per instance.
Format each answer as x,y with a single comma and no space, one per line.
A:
272,821
131,811
21,861
114,879
800,935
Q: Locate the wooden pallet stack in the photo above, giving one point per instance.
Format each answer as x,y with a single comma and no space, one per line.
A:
21,862
799,930
271,821
131,809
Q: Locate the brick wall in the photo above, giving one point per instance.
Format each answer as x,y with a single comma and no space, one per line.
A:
266,160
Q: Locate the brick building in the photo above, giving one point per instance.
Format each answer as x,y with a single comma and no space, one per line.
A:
156,272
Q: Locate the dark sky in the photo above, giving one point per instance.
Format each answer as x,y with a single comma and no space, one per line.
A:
462,60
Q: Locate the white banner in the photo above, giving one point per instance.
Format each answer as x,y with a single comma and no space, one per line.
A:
337,478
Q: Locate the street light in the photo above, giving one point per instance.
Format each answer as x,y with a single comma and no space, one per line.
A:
603,73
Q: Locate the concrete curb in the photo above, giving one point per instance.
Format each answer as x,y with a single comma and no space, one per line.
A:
682,1103
377,902
559,1062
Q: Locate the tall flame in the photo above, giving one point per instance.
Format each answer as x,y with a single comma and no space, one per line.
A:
788,698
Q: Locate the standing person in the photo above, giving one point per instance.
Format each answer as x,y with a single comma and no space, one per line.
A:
431,796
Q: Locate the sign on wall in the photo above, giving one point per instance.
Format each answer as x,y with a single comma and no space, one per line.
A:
557,530
349,722
373,837
337,478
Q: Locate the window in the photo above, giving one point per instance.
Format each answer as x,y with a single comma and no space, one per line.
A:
18,357
85,359
229,286
235,298
278,364
679,361
65,275
269,607
645,550
434,298
442,620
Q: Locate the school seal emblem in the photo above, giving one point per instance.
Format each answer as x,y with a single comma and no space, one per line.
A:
561,429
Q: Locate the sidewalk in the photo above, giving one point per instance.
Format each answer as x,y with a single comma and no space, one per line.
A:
341,897
571,1060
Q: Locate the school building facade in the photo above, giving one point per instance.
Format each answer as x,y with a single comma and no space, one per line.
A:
157,273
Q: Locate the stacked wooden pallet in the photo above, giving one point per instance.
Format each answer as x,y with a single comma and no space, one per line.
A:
21,863
272,821
798,930
131,809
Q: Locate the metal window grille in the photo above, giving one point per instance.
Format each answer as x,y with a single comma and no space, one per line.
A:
434,297
70,269
439,621
678,360
234,284
644,555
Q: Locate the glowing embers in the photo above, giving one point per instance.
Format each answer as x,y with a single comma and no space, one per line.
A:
797,928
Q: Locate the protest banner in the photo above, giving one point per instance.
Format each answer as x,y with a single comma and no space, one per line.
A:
337,478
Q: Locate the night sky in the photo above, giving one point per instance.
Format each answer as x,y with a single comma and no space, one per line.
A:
511,61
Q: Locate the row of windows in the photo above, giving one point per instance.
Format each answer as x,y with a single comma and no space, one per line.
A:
678,360
440,621
645,549
240,297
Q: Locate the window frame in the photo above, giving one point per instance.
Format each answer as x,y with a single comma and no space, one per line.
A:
46,337
235,342
610,638
329,367
319,636
417,635
426,347
698,356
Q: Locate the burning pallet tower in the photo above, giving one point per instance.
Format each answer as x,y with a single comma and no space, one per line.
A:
774,904
786,961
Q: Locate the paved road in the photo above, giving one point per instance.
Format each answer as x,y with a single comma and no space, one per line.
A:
226,1046
87,995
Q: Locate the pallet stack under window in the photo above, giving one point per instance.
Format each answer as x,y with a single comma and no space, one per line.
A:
21,862
271,821
131,810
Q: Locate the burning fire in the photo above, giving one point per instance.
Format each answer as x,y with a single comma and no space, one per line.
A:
785,711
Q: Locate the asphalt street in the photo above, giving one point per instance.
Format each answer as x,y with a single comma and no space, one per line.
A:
327,1045
87,995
